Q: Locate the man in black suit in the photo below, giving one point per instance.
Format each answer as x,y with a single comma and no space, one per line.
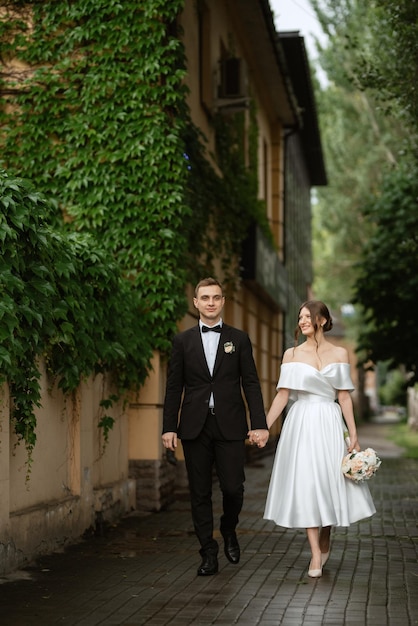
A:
211,365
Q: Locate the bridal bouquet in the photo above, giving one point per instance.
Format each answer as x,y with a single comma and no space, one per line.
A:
359,466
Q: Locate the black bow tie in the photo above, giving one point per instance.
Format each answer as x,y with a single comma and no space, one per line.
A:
216,329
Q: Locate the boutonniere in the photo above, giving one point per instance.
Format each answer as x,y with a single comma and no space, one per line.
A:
229,347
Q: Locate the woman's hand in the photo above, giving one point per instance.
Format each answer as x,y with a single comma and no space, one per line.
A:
354,444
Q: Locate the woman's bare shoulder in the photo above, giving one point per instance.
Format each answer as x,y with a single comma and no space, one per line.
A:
341,354
288,355
296,354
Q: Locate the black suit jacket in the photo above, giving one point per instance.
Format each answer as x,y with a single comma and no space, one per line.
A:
189,386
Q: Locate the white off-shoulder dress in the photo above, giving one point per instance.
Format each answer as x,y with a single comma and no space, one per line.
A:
307,487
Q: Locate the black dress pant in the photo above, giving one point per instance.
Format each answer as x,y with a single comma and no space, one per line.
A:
201,454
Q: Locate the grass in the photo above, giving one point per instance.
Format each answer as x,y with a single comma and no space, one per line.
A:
406,438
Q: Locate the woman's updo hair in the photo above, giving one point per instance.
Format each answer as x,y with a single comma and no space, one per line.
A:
318,310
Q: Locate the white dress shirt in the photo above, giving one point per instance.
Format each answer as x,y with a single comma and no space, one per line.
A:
210,342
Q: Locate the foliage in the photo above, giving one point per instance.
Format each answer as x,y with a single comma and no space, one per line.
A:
369,133
388,66
406,438
355,162
360,143
388,282
64,300
100,122
393,391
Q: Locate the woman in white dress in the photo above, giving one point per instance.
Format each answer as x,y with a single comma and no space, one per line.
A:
307,488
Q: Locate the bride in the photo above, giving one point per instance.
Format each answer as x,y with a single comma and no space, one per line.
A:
307,487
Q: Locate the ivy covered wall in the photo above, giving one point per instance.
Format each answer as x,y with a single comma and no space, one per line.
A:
95,117
63,299
93,111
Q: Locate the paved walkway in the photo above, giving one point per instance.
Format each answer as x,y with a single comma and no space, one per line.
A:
142,571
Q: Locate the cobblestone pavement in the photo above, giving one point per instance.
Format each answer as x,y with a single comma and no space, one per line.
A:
143,570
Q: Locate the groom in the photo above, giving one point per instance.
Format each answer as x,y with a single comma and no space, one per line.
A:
211,365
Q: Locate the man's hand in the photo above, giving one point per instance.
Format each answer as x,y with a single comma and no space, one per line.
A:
258,437
170,441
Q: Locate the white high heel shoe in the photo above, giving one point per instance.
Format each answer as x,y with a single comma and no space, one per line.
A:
314,573
324,557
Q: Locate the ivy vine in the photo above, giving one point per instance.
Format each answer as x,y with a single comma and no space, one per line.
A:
97,124
226,206
63,299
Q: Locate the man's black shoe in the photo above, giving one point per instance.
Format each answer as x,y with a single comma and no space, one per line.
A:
208,566
231,548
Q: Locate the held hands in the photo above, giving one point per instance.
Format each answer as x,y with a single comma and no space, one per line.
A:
258,437
170,441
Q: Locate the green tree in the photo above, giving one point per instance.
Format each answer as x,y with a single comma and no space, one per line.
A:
387,286
388,65
385,289
365,221
356,157
364,137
